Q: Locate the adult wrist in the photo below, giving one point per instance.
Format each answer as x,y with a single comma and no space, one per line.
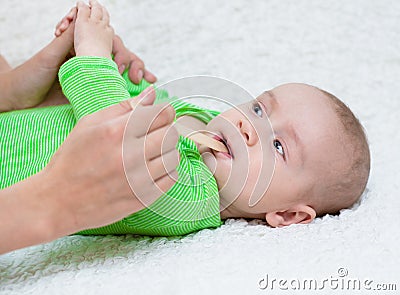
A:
55,219
27,216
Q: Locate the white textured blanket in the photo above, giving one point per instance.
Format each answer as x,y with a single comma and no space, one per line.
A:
348,47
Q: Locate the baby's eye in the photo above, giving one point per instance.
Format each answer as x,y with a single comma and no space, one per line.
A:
279,147
257,109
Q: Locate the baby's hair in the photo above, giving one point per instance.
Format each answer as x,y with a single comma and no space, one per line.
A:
343,190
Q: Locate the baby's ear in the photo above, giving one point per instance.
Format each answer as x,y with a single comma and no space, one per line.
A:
297,214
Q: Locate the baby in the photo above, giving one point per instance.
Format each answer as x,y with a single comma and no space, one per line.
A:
313,161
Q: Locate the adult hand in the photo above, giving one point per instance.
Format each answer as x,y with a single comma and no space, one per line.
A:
84,185
125,59
28,85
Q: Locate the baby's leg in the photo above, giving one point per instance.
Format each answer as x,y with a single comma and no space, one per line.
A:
4,66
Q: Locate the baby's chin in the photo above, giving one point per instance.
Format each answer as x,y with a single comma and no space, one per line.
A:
233,209
219,165
208,158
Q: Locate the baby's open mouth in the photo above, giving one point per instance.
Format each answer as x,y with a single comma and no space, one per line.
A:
223,140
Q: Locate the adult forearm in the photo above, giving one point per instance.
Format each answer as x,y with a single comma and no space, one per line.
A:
31,81
28,217
28,84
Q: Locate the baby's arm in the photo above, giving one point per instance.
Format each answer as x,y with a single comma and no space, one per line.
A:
27,85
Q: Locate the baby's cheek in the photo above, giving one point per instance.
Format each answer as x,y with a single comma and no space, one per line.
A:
227,118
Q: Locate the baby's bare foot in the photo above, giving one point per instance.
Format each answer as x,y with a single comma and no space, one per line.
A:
93,33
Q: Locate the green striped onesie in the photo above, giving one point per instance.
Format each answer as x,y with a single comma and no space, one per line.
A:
30,137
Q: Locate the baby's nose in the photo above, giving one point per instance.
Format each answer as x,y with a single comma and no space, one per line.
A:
248,132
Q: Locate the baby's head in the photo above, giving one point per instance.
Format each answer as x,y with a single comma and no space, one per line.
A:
314,160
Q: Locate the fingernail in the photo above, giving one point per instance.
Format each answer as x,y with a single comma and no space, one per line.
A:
148,89
169,108
146,98
121,69
140,75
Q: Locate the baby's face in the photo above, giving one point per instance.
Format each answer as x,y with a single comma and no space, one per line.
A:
277,143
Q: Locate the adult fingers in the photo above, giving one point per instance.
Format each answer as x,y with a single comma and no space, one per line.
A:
145,119
160,141
145,98
153,189
137,123
124,108
149,76
124,58
165,182
136,70
121,59
161,166
148,179
121,111
57,31
63,24
71,14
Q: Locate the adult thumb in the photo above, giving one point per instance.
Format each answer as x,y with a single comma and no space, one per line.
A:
145,98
